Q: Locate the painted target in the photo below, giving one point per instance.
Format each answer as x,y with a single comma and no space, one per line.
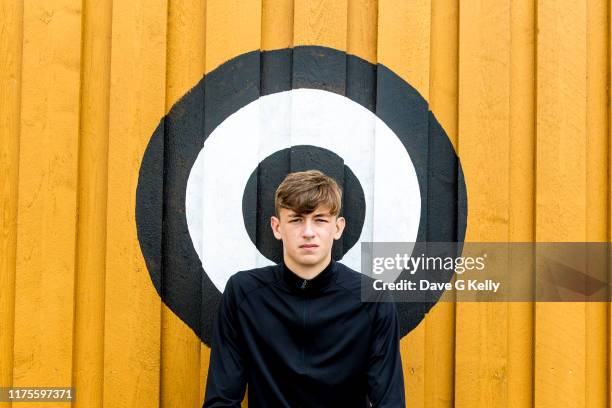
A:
208,175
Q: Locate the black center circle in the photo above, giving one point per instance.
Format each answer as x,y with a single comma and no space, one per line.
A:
258,197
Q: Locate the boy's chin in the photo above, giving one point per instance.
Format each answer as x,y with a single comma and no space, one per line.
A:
311,260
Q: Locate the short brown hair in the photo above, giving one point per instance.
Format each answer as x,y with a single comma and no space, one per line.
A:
304,191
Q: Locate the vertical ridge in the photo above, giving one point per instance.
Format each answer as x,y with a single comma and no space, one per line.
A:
164,198
561,192
11,40
596,213
132,303
522,176
204,349
180,349
48,164
92,198
440,323
404,47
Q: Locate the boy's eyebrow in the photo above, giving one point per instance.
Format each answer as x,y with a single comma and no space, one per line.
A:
322,214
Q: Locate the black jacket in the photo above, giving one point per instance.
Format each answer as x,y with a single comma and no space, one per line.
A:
304,343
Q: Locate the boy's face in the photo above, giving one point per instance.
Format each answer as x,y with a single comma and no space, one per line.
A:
307,238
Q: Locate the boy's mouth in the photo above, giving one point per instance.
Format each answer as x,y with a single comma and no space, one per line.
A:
309,246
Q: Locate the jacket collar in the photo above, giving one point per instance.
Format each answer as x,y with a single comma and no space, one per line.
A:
295,283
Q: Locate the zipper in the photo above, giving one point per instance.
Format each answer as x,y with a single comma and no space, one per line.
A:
304,335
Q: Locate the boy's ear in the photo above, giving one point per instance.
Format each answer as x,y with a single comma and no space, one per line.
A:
275,224
340,224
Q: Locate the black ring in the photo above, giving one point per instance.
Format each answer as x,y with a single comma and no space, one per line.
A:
172,262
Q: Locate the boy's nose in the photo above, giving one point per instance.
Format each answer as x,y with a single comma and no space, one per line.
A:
308,230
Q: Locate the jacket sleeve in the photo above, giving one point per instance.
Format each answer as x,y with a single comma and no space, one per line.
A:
226,381
385,377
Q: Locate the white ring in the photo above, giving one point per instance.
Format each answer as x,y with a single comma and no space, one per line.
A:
213,201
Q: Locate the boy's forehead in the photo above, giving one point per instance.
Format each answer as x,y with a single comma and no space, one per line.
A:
320,210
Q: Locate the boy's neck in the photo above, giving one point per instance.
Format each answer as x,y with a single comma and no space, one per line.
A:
307,271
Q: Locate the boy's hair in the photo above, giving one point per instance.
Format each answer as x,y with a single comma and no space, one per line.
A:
304,191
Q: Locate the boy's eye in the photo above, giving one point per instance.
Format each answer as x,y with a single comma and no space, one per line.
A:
321,220
295,220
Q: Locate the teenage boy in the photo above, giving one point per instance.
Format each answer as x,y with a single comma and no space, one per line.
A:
298,333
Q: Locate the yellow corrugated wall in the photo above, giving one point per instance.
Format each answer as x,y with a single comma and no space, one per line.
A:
520,86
